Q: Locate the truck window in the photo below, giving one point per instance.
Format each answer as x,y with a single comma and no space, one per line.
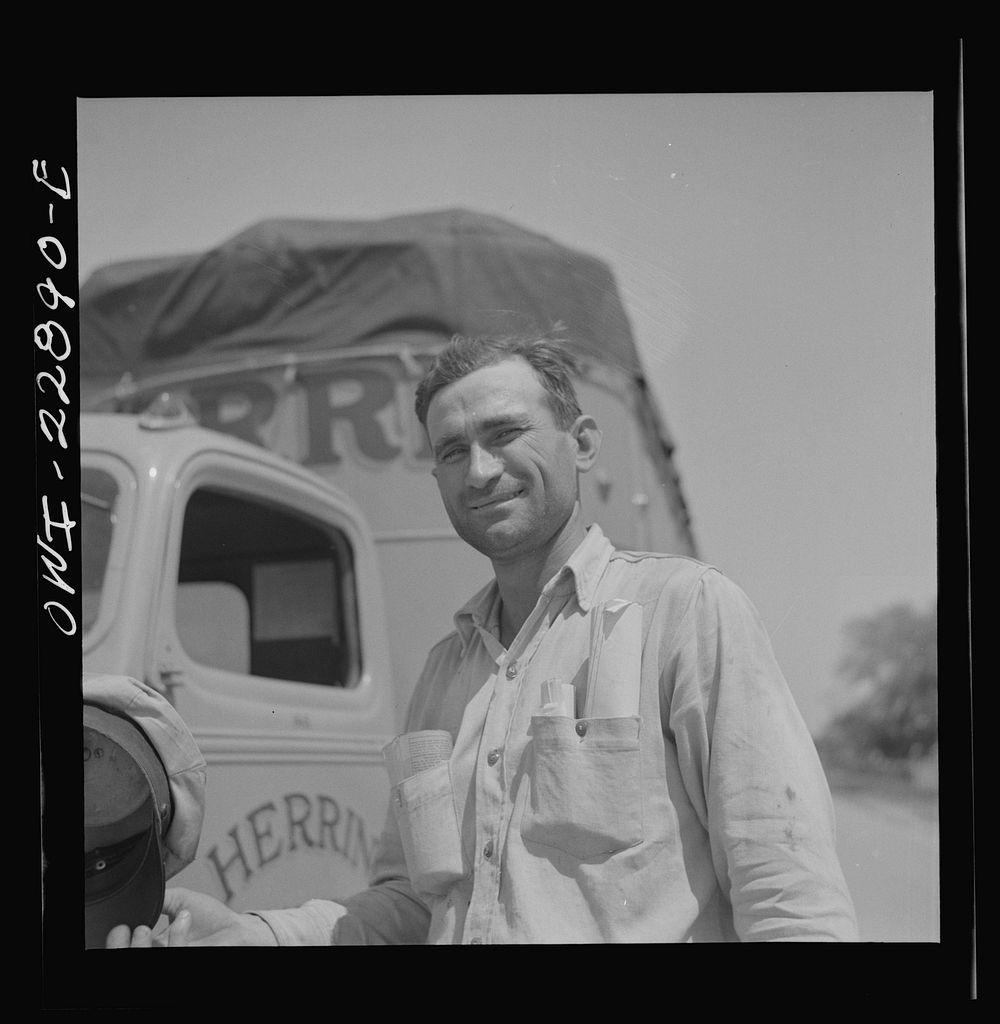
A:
265,591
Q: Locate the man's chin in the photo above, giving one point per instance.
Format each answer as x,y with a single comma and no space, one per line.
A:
497,541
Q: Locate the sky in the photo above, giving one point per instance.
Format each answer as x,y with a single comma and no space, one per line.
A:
774,252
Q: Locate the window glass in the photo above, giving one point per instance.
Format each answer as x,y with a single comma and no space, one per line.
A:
293,600
266,592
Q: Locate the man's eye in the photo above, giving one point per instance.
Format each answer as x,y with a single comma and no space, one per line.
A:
508,434
451,455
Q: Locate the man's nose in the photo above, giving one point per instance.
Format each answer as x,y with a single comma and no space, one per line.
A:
484,466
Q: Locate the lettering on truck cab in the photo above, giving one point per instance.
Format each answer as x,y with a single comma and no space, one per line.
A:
274,830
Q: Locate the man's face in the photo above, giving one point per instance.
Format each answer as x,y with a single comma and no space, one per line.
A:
507,473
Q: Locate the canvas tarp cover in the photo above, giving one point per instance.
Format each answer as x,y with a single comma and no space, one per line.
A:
307,285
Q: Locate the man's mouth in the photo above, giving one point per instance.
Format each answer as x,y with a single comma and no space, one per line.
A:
495,500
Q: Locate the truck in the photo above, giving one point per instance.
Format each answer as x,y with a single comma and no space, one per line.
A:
262,540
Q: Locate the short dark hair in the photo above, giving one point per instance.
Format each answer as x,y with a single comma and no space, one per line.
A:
553,363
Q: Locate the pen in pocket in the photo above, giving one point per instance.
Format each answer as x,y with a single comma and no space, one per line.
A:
558,699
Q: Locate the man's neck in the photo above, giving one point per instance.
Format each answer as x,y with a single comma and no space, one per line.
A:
521,582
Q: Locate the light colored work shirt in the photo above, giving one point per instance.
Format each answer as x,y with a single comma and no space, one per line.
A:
676,796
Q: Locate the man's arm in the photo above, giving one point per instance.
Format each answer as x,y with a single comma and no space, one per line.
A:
752,769
388,911
196,920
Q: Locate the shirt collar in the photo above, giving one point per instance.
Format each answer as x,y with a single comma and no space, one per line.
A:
581,573
587,565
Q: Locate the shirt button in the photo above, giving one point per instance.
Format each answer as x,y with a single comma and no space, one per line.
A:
492,757
512,670
488,849
581,728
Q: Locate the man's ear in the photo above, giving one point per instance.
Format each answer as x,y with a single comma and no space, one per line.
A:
587,435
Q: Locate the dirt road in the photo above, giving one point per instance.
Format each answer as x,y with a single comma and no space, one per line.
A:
889,853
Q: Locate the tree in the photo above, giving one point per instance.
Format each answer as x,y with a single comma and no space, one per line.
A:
891,664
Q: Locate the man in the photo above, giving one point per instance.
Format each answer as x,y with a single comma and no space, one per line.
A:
627,763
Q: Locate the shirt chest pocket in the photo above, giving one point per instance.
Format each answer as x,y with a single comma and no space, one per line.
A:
585,794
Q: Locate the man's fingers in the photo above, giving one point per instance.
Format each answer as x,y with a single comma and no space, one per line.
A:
119,937
142,936
178,933
174,902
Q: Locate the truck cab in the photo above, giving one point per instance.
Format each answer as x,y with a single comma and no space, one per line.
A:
246,589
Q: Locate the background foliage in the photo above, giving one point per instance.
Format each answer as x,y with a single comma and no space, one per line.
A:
889,665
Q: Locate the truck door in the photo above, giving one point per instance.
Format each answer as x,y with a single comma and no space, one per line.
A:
267,642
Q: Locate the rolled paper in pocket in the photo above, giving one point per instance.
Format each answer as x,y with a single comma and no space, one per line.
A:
615,661
414,752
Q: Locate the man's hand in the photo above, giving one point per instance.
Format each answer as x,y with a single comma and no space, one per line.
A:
196,920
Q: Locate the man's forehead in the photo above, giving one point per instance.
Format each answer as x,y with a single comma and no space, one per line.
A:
503,391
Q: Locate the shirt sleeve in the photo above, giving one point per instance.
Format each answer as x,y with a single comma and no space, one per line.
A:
753,775
387,912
